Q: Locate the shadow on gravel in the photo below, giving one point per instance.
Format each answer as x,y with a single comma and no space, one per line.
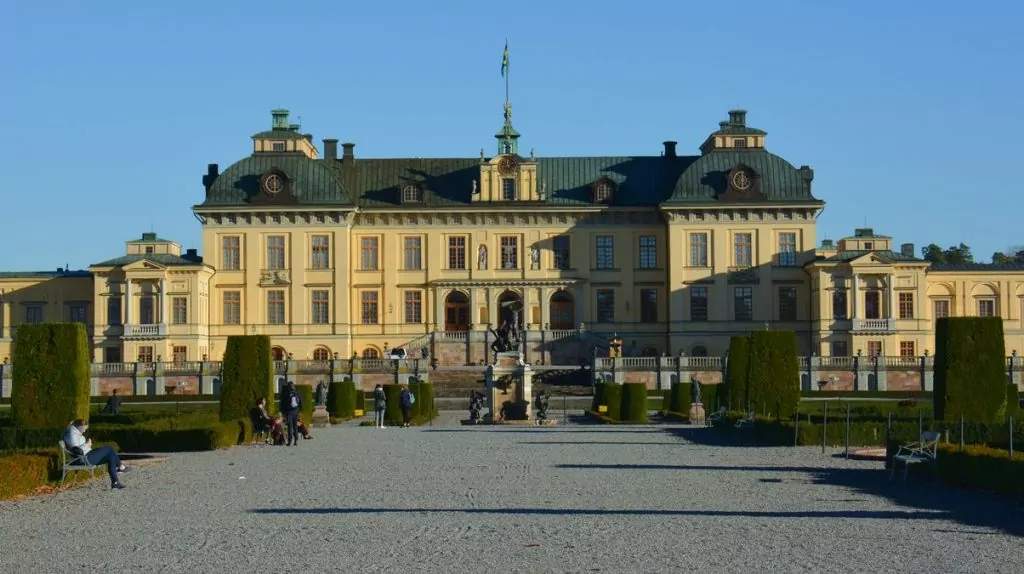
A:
868,514
603,429
713,436
603,442
808,469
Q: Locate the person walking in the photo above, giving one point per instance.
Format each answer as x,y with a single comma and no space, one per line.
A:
406,399
291,403
380,405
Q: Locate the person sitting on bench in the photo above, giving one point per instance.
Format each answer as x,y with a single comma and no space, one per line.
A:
113,405
76,443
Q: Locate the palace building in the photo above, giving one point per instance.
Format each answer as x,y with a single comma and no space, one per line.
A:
338,255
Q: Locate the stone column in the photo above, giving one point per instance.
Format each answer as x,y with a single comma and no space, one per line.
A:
163,301
127,301
438,309
854,296
891,287
545,308
474,310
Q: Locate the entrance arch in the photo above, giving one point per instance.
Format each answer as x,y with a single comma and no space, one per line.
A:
456,312
507,313
563,312
278,353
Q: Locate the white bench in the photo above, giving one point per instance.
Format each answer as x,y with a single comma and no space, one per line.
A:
924,450
70,462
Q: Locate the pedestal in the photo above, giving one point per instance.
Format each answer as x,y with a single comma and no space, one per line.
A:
321,418
518,392
697,414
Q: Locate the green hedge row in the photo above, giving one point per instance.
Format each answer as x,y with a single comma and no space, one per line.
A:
52,381
306,396
247,374
970,369
422,410
737,367
773,377
25,472
341,399
633,407
920,395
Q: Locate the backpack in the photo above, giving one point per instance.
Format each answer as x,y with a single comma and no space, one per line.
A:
412,398
295,400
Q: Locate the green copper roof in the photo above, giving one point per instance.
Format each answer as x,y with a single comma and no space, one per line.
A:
309,181
43,274
707,177
279,134
843,256
159,258
150,238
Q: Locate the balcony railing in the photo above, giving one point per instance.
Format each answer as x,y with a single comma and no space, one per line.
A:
874,325
151,331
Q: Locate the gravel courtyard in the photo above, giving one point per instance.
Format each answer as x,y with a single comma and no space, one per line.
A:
505,499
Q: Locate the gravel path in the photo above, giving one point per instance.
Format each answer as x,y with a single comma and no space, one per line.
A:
502,499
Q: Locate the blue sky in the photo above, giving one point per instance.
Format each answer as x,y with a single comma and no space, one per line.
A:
908,113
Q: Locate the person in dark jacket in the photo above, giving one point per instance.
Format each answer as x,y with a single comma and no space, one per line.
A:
113,405
380,405
291,403
405,398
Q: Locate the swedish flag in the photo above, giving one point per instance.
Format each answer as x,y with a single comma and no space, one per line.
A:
504,61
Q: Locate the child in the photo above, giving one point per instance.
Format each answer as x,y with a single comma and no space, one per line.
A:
302,428
277,431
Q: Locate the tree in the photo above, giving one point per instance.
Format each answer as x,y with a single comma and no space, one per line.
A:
773,375
970,369
51,378
1010,256
955,255
247,374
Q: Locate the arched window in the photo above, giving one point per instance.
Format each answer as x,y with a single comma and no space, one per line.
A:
603,191
412,194
278,353
321,354
371,353
699,351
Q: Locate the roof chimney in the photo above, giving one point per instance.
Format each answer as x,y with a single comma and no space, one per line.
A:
348,152
738,118
280,116
330,148
907,250
212,171
670,149
309,137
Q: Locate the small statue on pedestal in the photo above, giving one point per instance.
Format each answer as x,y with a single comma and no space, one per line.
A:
321,394
476,406
542,407
695,391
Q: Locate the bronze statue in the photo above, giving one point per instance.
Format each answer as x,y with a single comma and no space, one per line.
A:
695,391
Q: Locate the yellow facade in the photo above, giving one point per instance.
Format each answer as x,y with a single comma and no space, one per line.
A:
329,258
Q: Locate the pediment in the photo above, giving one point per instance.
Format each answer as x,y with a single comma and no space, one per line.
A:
870,259
144,265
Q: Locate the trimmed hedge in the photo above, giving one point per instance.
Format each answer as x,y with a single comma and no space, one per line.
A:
393,413
925,395
634,403
306,396
180,434
773,376
737,370
982,468
600,396
52,381
341,399
1013,409
25,472
247,374
970,369
679,398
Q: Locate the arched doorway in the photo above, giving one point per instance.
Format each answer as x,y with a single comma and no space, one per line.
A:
563,311
278,353
456,312
510,308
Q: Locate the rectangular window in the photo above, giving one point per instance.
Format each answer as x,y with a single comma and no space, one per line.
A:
275,252
872,305
179,354
561,252
231,253
605,305
840,349
787,303
648,252
457,252
277,146
509,252
906,305
275,307
940,308
739,142
413,306
179,314
149,249
605,252
787,249
78,313
368,249
698,250
321,252
232,307
698,303
648,305
369,307
412,250
907,349
743,249
147,316
839,305
145,354
508,189
34,314
743,303
986,308
874,348
114,310
321,307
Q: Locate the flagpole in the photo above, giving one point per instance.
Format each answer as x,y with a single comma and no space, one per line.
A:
508,70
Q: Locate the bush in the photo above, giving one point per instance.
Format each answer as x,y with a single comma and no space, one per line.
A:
981,467
773,376
600,396
306,396
970,369
1012,402
180,434
361,398
737,367
393,413
424,405
247,373
679,398
52,381
341,399
613,398
25,472
634,403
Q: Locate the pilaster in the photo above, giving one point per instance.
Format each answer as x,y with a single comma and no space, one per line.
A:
5,380
928,373
127,301
854,296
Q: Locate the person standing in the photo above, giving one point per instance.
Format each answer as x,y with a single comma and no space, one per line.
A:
380,405
113,405
406,399
291,403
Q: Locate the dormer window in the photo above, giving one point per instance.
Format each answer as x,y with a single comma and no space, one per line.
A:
603,191
277,146
739,142
412,194
149,249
